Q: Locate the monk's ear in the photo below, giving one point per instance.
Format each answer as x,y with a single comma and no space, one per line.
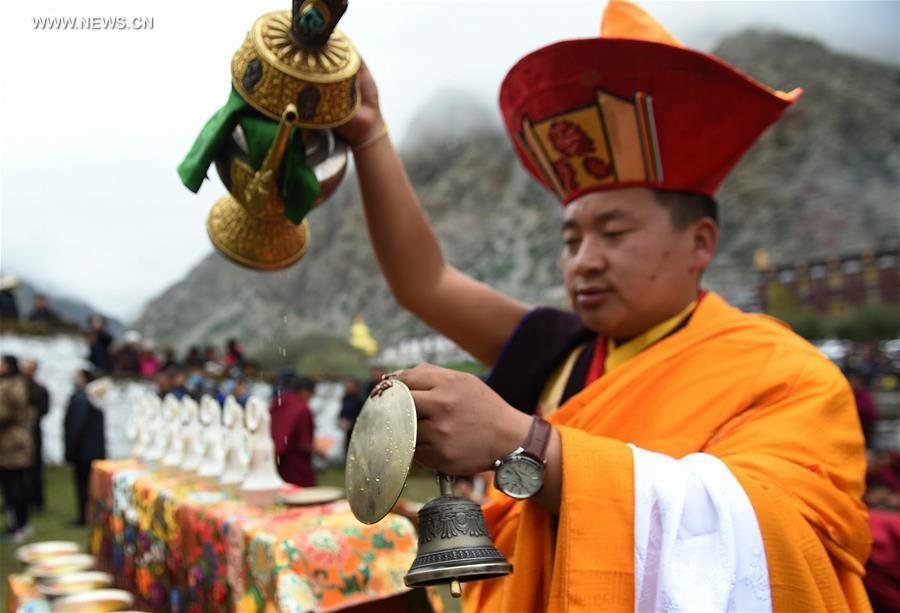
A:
705,235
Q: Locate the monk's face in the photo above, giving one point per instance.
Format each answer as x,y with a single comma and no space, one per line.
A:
626,267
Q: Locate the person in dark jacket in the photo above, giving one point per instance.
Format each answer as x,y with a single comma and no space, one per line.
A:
39,401
9,308
293,430
15,447
99,341
351,405
85,439
193,359
43,312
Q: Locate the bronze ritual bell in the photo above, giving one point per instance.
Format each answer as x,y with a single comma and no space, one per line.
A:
294,68
454,545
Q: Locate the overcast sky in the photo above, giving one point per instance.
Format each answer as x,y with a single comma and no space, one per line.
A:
95,122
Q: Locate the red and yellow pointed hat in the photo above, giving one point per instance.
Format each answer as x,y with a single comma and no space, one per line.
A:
633,107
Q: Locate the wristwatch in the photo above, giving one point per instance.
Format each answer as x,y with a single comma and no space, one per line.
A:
520,475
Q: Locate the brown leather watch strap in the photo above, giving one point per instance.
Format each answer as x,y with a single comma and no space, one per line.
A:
538,438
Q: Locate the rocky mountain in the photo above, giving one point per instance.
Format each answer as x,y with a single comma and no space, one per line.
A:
825,179
822,180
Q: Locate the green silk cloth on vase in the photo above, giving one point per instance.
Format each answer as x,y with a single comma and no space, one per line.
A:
297,183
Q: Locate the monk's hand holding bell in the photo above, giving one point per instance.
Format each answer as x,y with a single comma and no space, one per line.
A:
463,425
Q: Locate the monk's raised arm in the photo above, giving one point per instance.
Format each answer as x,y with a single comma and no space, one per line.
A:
476,317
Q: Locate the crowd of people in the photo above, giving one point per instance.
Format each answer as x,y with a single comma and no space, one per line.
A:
25,401
874,376
9,306
133,356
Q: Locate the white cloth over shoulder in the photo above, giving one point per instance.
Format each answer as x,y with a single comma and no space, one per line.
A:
697,543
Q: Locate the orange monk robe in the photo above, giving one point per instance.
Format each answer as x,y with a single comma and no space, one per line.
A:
740,387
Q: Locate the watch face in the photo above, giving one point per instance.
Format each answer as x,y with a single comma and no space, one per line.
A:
520,477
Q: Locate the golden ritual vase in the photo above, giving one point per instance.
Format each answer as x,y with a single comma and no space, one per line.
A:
294,67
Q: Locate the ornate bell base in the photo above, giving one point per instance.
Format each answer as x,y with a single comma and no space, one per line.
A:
465,572
261,244
454,545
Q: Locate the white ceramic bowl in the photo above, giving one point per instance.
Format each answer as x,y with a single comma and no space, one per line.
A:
61,565
95,601
75,583
308,496
261,497
38,552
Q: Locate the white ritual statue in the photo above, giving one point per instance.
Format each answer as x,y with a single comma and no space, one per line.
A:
237,453
136,426
192,443
175,442
212,464
156,431
263,483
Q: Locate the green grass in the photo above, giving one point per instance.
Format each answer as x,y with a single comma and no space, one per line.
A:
53,524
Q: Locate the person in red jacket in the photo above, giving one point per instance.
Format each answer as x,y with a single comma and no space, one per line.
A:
293,429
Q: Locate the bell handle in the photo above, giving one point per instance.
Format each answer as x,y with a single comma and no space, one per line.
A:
445,482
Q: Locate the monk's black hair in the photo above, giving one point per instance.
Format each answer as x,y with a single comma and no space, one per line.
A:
686,207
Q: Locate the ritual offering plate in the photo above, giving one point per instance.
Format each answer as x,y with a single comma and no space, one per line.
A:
37,552
61,565
96,601
75,583
381,451
312,495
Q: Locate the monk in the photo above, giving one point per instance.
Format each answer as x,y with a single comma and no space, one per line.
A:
655,448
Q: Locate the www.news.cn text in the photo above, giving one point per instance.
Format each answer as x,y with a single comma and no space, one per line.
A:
92,23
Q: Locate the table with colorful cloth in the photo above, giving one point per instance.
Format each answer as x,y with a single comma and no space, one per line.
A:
180,543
